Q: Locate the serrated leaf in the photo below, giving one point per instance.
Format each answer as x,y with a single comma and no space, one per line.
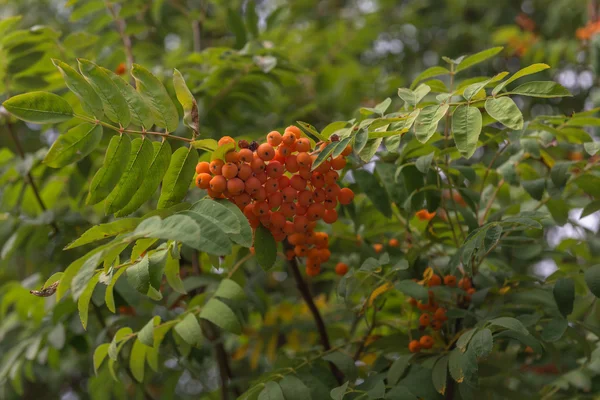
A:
115,106
592,147
109,295
213,239
564,295
83,302
74,145
477,58
221,315
134,171
146,334
510,324
544,89
323,155
439,374
456,365
82,89
244,238
100,355
156,96
84,274
466,127
39,107
178,177
427,121
219,214
482,343
138,275
158,167
265,247
137,360
140,112
187,101
413,289
229,289
505,111
172,274
531,69
189,330
118,341
592,279
107,177
559,173
103,231
535,188
397,369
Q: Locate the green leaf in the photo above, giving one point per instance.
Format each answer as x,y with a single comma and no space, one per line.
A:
178,177
221,315
323,154
592,147
344,362
118,341
272,391
294,389
369,149
427,121
564,295
82,89
429,73
439,374
456,363
137,360
482,343
505,111
559,210
510,324
589,183
527,340
559,173
109,295
213,239
374,190
466,127
377,391
590,208
397,369
339,392
464,339
592,279
115,106
477,58
156,96
554,330
176,227
39,107
108,175
236,23
219,214
74,145
140,112
532,69
83,302
244,238
189,330
100,355
413,289
103,231
535,188
172,274
412,98
265,247
545,89
138,275
230,290
133,175
83,276
424,162
187,101
205,144
154,175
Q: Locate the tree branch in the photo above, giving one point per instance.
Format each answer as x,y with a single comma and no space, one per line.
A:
306,295
29,176
125,38
225,374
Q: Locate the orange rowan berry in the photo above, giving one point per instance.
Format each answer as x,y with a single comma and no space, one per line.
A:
305,198
341,269
257,164
471,291
297,238
216,166
314,271
319,196
225,140
289,194
284,151
252,185
274,169
295,130
347,151
235,186
301,210
266,152
275,200
333,191
426,342
315,211
300,250
330,216
291,163
321,240
232,157
300,223
330,204
279,158
213,194
424,215
121,69
297,182
378,247
450,280
437,325
203,168
278,236
203,180
261,176
338,163
274,138
304,159
324,255
394,242
288,209
288,139
331,177
260,194
260,208
271,186
464,283
229,170
302,145
345,196
288,228
244,172
242,200
424,319
284,182
218,184
305,173
246,155
324,167
435,280
414,346
317,179
440,314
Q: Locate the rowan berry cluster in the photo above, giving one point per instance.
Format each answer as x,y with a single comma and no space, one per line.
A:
432,315
275,185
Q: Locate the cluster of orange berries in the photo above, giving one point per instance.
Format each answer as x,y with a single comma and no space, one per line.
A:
275,185
433,316
586,32
393,242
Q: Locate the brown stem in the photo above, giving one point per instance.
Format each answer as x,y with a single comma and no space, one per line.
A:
363,342
125,38
491,202
29,176
225,374
196,36
307,296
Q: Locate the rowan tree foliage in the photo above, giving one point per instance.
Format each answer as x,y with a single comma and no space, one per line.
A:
299,200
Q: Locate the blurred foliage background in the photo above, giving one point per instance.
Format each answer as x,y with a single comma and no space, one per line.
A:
309,60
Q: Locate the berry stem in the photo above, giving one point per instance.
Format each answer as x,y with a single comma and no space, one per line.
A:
307,296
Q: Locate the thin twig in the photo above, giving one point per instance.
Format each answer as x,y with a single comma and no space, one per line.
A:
363,342
491,202
36,192
225,374
125,38
306,295
196,36
485,175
